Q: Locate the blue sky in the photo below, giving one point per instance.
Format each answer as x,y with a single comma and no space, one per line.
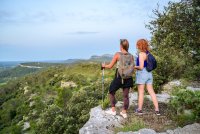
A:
32,30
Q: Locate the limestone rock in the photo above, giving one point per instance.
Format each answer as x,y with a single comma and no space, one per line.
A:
170,85
141,131
133,97
26,89
119,104
68,84
164,98
32,96
100,122
189,129
26,125
193,88
32,103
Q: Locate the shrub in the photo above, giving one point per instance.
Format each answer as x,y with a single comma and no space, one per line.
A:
64,94
133,124
186,103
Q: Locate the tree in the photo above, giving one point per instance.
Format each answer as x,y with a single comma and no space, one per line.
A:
175,38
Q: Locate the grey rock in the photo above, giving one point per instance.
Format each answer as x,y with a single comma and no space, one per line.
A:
32,103
26,89
189,129
26,126
170,132
141,131
167,88
164,98
175,83
133,97
126,132
119,104
68,84
100,122
193,88
145,131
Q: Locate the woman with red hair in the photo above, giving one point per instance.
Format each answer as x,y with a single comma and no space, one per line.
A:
143,77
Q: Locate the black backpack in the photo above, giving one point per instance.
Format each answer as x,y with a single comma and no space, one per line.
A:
151,62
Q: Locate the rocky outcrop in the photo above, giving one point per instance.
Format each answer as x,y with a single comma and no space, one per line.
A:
26,126
164,98
193,88
141,131
168,87
189,129
68,84
100,122
29,66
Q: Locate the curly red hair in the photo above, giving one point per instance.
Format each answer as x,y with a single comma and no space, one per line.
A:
143,45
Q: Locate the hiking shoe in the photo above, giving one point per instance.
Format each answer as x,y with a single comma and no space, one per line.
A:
123,114
110,112
139,112
157,112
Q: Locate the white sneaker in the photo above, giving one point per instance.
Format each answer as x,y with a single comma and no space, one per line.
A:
110,112
123,114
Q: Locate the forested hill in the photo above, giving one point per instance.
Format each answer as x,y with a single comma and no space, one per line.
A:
69,91
13,70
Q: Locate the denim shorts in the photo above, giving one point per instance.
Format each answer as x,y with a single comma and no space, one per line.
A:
144,77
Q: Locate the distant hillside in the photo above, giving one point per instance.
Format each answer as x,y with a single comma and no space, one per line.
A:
11,70
38,64
15,72
105,57
93,58
69,61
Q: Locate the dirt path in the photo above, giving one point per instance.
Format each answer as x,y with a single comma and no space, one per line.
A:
151,120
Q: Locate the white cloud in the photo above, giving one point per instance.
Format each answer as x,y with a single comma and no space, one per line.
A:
50,20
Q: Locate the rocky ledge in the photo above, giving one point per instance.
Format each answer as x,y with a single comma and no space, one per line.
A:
100,122
189,129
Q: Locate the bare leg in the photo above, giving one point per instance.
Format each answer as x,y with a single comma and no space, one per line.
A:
140,96
153,96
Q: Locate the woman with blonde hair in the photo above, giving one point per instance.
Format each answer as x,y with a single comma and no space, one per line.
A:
143,77
123,58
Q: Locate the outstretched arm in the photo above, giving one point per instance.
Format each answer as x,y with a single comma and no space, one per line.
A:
112,63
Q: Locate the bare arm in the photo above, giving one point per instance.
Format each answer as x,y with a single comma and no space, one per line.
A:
112,63
142,57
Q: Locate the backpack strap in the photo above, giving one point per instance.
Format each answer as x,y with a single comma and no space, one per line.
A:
147,55
147,52
121,56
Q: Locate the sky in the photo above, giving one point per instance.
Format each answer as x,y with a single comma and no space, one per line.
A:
39,30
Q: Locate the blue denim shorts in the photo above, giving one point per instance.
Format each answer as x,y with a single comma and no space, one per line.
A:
144,77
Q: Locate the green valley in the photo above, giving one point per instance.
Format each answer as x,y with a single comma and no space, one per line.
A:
57,99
